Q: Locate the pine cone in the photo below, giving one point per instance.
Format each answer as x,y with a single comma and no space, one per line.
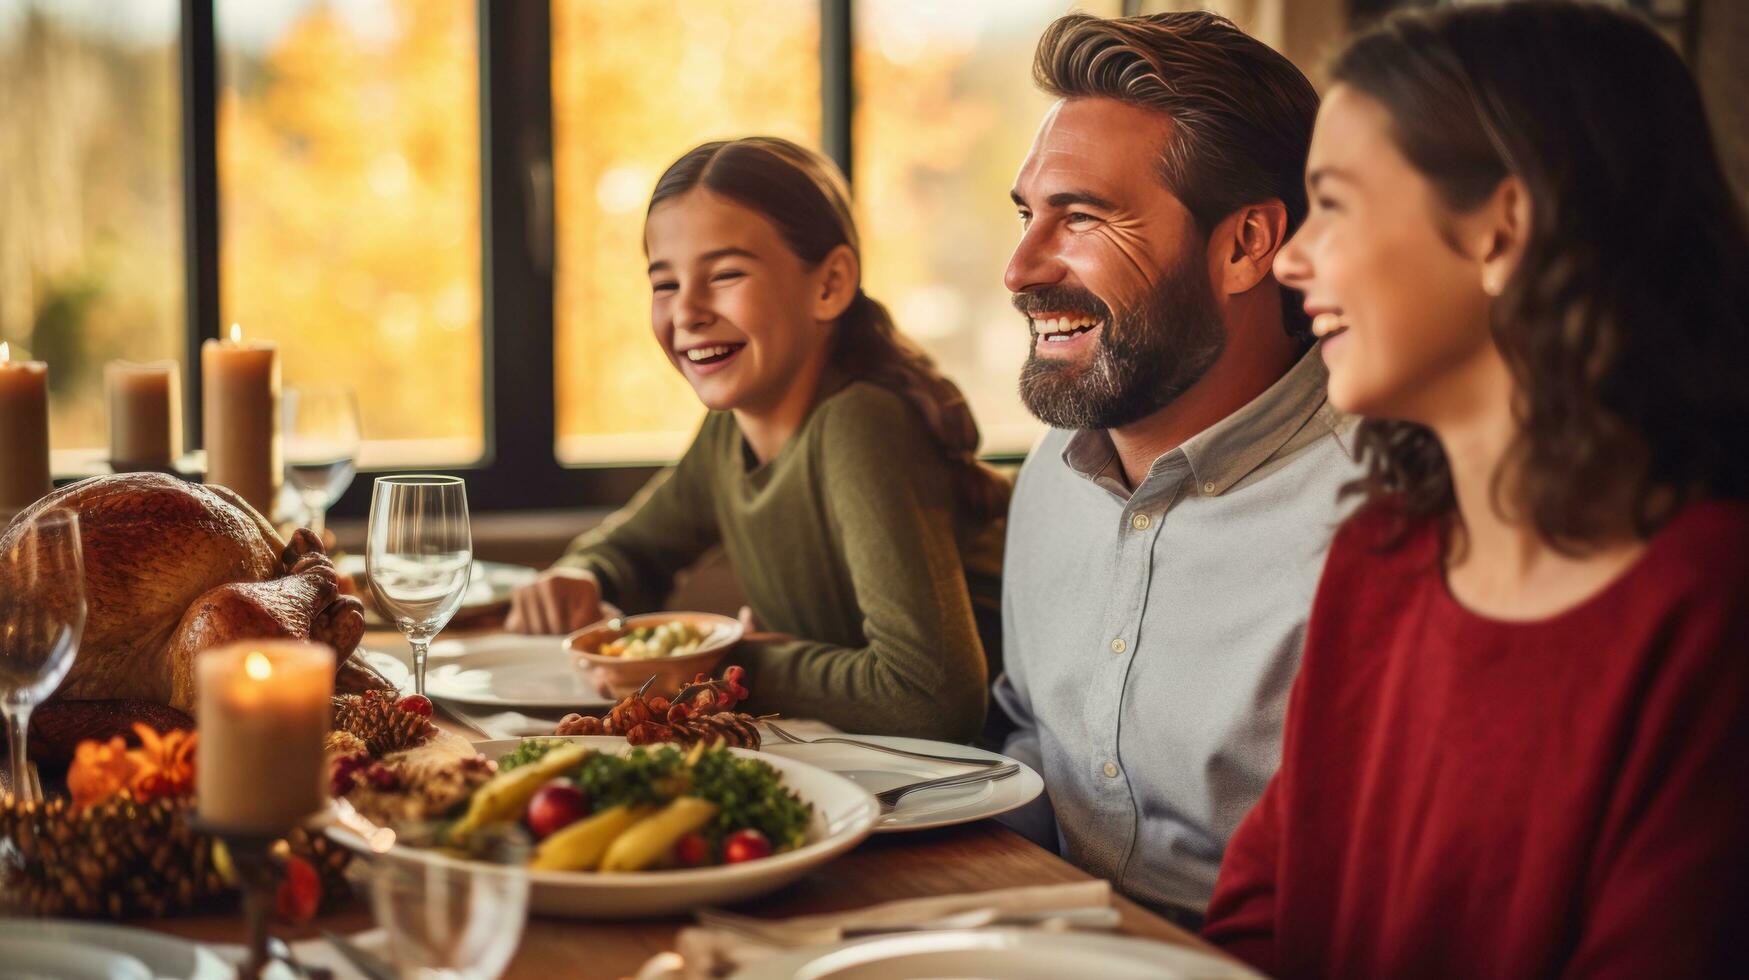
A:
116,858
328,858
340,743
735,729
383,726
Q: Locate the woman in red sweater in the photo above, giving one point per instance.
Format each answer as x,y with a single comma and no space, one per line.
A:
1519,742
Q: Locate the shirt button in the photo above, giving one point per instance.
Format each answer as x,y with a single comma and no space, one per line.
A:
1111,770
1139,522
1117,645
1209,487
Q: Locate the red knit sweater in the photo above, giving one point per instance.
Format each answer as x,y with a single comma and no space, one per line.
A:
1465,797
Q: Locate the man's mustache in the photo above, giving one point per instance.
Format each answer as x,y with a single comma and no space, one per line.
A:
1061,299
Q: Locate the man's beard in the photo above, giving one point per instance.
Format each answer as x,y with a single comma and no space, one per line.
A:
1144,357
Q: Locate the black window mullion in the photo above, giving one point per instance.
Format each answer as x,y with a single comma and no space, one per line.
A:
200,200
516,109
837,82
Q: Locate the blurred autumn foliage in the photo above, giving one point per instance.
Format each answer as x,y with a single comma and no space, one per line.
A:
90,201
350,173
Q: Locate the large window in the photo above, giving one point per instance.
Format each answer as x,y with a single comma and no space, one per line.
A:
440,202
349,167
946,110
635,85
90,197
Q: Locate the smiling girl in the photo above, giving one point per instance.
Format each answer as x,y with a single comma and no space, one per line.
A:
1519,741
837,467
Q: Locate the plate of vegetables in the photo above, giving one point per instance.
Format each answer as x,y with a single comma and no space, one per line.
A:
619,831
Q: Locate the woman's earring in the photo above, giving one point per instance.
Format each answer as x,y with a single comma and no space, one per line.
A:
1491,282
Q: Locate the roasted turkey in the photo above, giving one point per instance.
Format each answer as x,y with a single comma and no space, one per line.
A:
171,569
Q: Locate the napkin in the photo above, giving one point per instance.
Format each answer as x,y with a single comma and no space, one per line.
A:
715,951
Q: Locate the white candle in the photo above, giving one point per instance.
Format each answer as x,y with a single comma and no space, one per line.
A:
262,715
240,417
24,432
145,415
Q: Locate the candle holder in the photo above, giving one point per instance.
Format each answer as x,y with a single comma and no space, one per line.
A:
251,853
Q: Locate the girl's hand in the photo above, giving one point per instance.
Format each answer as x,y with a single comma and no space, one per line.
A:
750,630
562,600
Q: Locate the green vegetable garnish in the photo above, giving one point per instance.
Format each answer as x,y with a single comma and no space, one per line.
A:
751,794
530,750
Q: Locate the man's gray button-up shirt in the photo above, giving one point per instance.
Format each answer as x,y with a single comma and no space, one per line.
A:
1150,637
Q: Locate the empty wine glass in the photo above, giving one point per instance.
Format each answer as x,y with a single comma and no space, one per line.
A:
321,436
42,617
418,554
445,918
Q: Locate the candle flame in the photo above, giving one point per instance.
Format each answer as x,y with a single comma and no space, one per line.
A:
257,665
236,333
5,352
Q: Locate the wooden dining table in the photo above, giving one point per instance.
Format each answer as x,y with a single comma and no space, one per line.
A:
954,860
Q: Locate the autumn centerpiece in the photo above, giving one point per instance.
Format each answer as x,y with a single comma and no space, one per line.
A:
122,842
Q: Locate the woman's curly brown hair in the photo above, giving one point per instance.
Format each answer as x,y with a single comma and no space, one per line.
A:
1624,324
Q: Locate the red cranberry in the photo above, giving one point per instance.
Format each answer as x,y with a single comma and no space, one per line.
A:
418,704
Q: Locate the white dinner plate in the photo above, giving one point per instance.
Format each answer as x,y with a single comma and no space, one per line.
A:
66,949
878,771
843,815
489,583
393,668
1004,954
509,670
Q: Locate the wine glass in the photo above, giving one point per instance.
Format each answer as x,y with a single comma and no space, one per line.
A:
42,617
451,918
418,554
321,436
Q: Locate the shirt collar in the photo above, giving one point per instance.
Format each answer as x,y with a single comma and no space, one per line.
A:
1226,452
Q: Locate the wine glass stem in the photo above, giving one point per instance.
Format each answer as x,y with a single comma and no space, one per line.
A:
318,514
17,727
421,650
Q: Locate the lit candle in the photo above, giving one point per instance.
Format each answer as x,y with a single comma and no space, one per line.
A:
262,715
24,432
145,418
240,417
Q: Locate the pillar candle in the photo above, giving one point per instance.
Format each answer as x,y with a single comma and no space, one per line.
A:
24,432
145,417
240,418
262,713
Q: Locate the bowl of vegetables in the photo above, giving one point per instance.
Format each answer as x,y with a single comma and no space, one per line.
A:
618,656
619,831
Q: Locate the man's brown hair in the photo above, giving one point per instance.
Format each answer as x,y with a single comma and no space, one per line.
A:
1241,112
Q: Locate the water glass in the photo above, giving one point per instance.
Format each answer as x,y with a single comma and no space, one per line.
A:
321,437
446,918
418,555
42,618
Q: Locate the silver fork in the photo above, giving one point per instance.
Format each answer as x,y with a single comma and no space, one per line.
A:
953,760
890,798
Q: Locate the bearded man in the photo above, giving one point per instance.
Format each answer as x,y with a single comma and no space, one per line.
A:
1165,538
